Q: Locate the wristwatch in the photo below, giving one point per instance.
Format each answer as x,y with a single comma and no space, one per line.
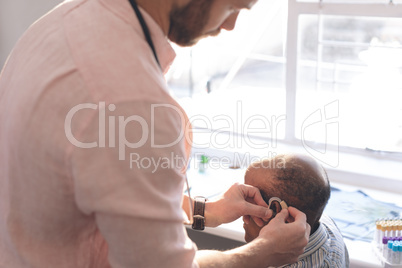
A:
198,215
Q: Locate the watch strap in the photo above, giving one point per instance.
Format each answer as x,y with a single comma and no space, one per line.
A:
199,210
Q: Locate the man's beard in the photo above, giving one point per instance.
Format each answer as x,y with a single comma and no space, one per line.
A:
187,23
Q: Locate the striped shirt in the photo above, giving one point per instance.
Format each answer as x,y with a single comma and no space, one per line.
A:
324,249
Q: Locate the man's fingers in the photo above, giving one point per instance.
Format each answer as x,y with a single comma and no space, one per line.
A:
258,221
300,219
258,211
308,230
253,193
282,216
297,215
246,219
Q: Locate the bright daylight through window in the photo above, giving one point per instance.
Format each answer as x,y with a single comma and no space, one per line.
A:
346,74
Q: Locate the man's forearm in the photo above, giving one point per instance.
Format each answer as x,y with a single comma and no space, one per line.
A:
278,243
210,208
255,254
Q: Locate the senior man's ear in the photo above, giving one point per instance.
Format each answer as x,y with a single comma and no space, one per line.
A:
276,208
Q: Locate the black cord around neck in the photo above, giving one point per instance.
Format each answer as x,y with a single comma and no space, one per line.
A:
145,29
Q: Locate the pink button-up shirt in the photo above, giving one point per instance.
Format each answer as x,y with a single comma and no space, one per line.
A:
92,147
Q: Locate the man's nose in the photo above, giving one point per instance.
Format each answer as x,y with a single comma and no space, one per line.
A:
230,22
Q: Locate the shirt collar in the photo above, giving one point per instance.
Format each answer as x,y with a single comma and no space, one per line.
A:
316,240
123,9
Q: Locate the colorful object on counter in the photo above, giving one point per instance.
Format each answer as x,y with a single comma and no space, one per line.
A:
203,163
388,241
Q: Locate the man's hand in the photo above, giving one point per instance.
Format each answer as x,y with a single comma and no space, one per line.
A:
239,200
289,232
279,243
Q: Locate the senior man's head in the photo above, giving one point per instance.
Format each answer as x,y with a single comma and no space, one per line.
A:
297,179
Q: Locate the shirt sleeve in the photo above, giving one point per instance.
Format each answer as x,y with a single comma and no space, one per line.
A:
131,179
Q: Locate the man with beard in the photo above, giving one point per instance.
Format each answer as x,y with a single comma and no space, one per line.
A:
93,149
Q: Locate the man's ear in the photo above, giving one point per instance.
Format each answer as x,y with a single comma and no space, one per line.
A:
276,208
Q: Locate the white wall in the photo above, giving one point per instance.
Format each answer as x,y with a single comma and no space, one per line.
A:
15,18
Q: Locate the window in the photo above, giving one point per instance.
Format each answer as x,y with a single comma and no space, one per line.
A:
318,75
352,54
233,86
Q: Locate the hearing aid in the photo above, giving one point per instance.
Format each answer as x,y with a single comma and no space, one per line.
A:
282,203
